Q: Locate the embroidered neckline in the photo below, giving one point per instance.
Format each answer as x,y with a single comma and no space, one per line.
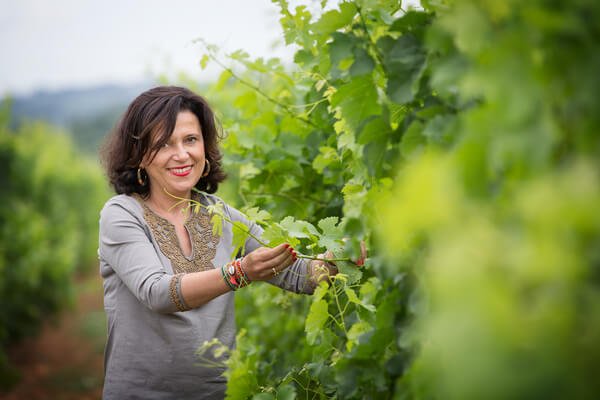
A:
199,227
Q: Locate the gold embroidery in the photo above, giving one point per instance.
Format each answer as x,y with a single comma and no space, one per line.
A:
174,295
204,242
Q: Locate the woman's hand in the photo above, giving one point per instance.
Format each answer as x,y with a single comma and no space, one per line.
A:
322,270
265,263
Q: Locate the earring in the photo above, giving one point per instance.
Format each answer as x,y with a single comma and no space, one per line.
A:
139,176
206,169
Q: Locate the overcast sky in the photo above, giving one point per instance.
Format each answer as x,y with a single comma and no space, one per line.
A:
77,43
55,44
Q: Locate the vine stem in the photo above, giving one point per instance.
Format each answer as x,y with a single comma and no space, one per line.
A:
191,202
363,25
285,107
285,196
196,203
323,259
337,302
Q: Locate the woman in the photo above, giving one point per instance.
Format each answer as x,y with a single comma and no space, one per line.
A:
168,280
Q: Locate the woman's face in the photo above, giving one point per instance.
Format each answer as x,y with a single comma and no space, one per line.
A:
178,165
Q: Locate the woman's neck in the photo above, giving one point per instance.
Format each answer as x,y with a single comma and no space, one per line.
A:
164,204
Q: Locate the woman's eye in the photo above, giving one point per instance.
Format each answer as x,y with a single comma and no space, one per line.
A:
192,139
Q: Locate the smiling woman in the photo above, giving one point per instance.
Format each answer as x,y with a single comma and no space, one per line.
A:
168,279
179,163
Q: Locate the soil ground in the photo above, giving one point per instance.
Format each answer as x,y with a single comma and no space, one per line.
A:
65,361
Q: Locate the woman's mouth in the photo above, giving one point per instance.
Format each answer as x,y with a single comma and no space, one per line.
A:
182,171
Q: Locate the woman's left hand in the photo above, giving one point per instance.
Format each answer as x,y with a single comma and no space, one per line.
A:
321,270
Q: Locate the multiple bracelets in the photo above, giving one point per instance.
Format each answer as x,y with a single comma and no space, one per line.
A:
234,275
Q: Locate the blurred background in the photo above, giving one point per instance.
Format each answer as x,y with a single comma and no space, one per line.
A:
75,64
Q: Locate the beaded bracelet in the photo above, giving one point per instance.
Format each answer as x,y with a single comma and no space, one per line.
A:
244,281
234,275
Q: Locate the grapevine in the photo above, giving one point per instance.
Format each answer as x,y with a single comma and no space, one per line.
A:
216,210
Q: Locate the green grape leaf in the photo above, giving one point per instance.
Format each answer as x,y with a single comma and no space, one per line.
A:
357,100
376,129
248,171
256,214
217,222
318,315
248,102
320,291
285,165
354,299
374,155
264,396
412,21
353,273
204,61
216,209
355,331
351,295
430,112
352,188
363,63
286,392
326,156
368,290
439,129
413,139
340,48
331,234
217,214
346,63
333,20
223,79
298,229
303,57
404,60
240,234
274,235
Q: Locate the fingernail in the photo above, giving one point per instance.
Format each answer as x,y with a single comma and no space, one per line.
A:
295,258
287,245
294,253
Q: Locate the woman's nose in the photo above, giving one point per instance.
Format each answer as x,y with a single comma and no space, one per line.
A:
180,152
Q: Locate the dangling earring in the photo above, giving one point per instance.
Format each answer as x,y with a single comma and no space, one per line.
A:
139,176
206,169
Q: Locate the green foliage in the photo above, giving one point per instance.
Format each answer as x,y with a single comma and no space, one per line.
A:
508,215
50,198
460,142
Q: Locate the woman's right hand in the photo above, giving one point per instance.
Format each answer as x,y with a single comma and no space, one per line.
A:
265,263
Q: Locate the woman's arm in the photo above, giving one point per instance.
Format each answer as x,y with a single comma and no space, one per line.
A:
295,277
125,246
198,288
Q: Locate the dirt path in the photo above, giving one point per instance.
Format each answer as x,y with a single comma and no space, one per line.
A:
65,362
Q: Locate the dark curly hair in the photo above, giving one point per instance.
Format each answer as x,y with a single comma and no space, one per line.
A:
156,110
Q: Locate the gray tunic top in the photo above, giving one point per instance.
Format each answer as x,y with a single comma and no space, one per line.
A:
152,334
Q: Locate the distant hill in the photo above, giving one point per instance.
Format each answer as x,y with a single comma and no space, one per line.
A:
63,106
88,114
